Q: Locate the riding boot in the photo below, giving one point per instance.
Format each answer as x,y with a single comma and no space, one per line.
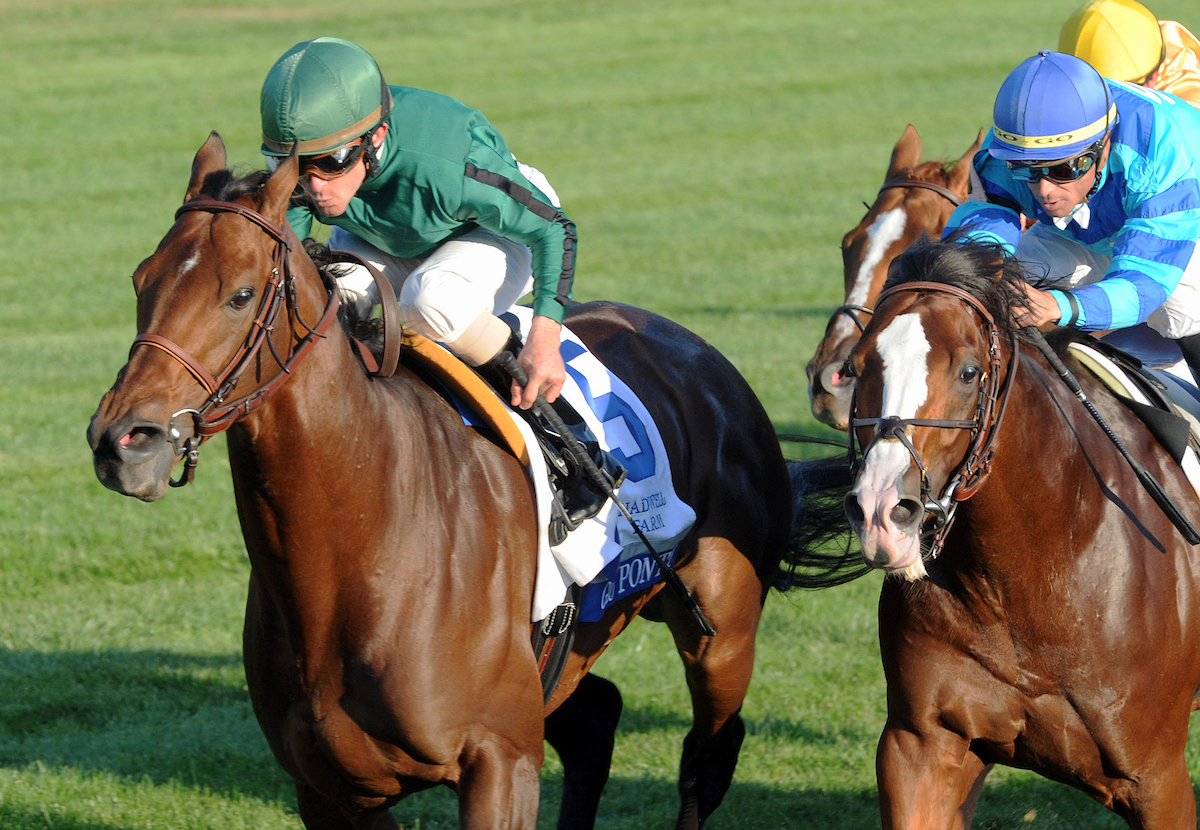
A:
1190,346
581,497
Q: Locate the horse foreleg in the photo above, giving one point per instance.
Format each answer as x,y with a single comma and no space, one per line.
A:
319,813
1163,799
927,782
582,731
498,789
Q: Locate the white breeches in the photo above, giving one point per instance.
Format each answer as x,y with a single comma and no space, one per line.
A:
446,295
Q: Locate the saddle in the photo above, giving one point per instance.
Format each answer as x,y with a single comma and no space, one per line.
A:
1162,403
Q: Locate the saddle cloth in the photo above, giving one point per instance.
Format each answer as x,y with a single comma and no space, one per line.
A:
603,553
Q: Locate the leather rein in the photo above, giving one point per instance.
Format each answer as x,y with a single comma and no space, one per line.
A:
985,426
216,415
849,309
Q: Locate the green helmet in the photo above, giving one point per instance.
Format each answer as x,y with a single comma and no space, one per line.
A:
322,93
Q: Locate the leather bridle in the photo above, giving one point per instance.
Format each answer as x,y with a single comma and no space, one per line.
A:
989,412
216,415
849,309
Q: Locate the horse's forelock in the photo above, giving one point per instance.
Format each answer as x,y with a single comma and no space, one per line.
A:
985,271
227,186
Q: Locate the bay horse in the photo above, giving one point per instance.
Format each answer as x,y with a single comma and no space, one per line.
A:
1041,611
915,200
392,548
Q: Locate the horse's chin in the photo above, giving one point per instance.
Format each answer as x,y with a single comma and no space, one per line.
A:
912,573
900,557
138,482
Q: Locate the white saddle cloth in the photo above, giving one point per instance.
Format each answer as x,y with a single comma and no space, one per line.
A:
623,427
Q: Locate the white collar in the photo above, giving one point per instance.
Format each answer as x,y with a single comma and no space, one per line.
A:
1082,216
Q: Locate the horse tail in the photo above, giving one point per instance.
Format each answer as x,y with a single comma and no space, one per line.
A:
821,552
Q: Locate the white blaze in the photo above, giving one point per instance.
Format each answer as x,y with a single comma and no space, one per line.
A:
904,350
884,231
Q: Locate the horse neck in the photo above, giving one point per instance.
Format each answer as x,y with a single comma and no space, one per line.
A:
329,438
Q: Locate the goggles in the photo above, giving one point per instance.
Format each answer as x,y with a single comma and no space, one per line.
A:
329,165
1061,172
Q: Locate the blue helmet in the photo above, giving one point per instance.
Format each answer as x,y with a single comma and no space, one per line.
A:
1052,106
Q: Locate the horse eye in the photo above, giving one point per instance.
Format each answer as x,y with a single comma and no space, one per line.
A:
969,375
241,298
848,370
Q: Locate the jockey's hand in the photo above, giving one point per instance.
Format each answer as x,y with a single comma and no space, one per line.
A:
542,362
1042,308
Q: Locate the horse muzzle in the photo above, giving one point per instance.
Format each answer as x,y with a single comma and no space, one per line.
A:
132,456
888,524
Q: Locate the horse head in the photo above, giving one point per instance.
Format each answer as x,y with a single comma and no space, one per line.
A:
916,200
213,339
933,369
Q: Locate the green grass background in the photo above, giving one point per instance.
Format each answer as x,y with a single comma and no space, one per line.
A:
712,154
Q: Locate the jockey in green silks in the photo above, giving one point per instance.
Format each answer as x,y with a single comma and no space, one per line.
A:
424,188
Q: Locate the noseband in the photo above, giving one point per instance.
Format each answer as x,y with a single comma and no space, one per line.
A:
989,412
215,415
852,311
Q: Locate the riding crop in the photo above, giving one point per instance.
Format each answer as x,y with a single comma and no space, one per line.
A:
1148,481
580,456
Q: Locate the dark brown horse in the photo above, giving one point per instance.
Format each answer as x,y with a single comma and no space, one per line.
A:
916,199
392,548
1054,623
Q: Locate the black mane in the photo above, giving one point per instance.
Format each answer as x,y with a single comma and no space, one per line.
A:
985,271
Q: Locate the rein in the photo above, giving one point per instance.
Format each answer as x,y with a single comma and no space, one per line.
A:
985,426
215,415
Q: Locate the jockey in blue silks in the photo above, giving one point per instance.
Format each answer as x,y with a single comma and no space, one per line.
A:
1107,177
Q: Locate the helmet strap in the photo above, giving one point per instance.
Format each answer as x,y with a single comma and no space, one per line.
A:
371,155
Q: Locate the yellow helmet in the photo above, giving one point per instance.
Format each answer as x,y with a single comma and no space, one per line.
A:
1120,38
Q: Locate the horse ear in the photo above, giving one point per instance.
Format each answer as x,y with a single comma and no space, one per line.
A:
209,159
907,152
960,175
277,194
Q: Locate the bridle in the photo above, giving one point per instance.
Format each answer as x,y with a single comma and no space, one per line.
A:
902,182
216,415
989,412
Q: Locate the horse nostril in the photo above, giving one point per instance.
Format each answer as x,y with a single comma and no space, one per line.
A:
854,511
136,438
139,440
907,513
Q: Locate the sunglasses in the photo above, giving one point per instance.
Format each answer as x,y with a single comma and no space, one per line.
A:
329,165
1062,172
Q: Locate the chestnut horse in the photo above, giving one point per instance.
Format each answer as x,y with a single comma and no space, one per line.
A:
1054,622
392,548
916,199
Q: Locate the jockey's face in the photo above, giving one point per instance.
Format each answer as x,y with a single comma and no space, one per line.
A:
333,195
1060,198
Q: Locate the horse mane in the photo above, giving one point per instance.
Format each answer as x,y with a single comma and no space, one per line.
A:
937,172
986,271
